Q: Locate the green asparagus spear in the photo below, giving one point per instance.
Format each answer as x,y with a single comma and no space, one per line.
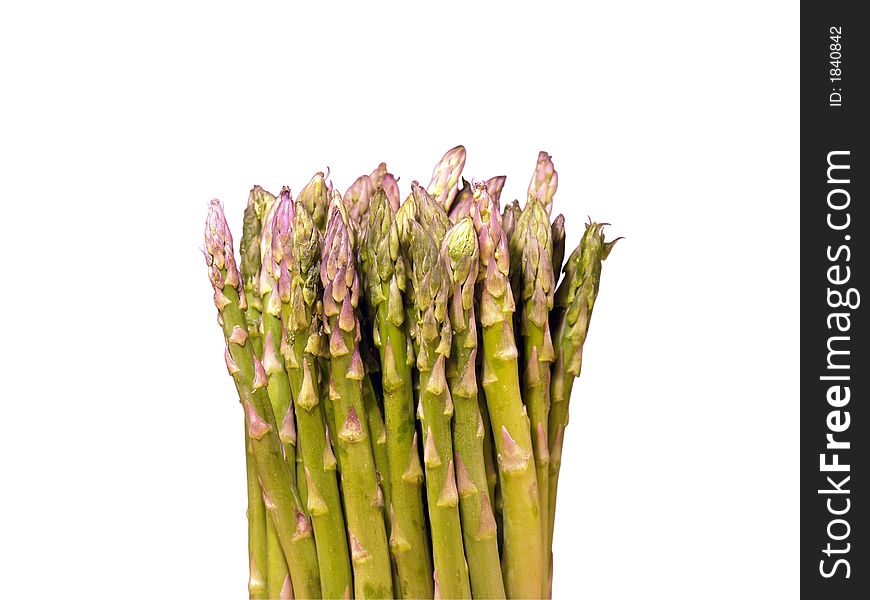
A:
460,254
278,387
445,178
296,246
522,552
532,251
431,291
386,281
368,539
291,524
258,202
574,301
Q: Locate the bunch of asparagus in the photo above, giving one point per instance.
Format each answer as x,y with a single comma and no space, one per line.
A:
405,370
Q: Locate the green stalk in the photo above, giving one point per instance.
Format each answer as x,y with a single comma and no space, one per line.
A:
460,254
296,248
257,552
365,524
379,441
277,573
433,333
532,257
249,246
522,556
291,524
386,279
574,301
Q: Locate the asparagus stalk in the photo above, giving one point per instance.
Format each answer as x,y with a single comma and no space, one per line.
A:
544,181
257,561
445,178
296,248
431,290
379,443
386,282
259,202
368,540
532,251
278,388
460,254
291,524
260,205
522,552
574,301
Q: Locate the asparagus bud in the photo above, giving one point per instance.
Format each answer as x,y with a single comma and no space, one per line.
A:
315,198
391,189
509,218
445,177
544,181
357,197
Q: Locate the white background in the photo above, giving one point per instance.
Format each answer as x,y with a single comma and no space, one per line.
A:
677,122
